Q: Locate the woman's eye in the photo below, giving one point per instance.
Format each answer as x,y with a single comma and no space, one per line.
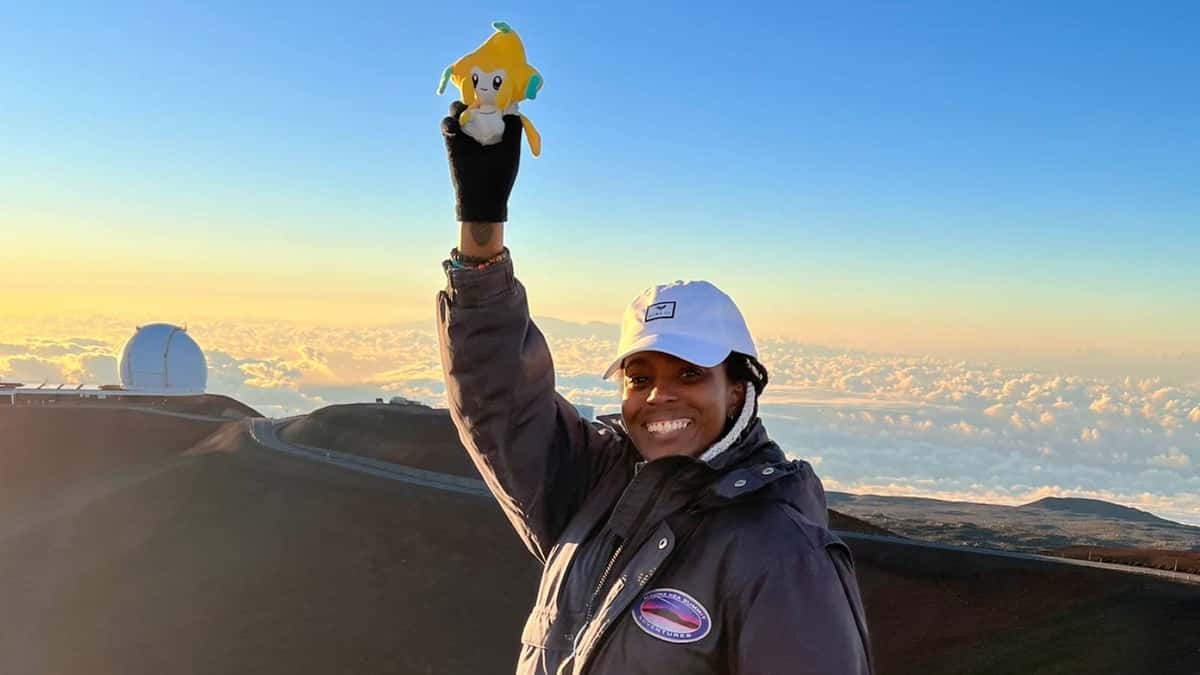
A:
496,82
637,380
691,373
474,80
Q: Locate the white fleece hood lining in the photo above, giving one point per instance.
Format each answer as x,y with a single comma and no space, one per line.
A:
743,421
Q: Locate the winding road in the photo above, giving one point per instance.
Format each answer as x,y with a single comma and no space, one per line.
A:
264,431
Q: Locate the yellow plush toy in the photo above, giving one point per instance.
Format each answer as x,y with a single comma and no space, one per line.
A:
493,79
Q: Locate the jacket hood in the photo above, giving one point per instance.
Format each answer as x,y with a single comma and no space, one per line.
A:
756,468
752,466
740,427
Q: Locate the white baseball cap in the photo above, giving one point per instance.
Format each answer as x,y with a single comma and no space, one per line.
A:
691,320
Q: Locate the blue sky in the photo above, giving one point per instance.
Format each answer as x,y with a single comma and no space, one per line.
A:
996,169
987,211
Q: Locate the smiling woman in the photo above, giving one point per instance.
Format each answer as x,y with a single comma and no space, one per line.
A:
708,400
676,539
673,407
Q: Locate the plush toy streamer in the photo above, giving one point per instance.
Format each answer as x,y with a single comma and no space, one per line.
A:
493,79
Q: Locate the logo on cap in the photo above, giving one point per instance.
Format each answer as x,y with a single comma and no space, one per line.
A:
660,310
672,615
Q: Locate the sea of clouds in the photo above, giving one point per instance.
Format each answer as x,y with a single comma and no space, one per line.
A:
870,423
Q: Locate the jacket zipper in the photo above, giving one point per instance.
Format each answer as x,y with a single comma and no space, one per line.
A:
587,616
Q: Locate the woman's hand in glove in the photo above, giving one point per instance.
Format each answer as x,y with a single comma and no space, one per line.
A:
483,175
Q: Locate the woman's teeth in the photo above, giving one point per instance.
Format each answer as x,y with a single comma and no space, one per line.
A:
667,426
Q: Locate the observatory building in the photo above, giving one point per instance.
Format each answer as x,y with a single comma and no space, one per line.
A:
163,359
160,360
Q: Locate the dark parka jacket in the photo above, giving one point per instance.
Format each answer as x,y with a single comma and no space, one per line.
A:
665,567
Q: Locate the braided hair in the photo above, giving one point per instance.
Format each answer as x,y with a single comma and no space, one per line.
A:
745,368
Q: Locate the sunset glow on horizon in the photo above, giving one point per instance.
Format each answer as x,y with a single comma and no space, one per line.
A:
965,232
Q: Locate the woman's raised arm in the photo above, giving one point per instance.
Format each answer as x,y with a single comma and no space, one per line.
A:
537,455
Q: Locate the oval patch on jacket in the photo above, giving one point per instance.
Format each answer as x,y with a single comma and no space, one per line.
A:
672,615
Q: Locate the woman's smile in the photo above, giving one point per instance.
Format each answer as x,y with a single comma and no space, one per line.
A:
665,428
673,407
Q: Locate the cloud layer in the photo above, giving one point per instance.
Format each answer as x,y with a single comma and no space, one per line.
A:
885,424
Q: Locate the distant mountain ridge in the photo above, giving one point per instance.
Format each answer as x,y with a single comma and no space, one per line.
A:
1044,525
1073,505
1096,507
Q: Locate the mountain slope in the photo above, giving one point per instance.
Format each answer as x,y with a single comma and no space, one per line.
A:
1022,528
414,435
1096,507
44,449
228,557
238,559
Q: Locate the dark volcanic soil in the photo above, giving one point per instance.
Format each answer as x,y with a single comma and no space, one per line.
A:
213,555
1175,561
251,561
949,612
43,449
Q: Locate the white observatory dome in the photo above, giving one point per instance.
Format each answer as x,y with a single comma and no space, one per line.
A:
162,358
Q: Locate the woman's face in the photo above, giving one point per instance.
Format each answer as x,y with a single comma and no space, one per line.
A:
673,407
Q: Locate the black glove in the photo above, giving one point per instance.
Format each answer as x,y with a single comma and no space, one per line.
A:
483,175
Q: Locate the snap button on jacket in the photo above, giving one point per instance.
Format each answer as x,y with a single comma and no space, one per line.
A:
671,566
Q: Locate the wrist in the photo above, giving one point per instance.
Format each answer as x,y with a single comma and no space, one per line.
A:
480,239
460,261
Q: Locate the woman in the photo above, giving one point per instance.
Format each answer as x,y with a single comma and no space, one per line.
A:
676,540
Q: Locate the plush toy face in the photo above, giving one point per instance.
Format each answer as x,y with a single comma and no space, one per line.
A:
487,84
496,73
492,79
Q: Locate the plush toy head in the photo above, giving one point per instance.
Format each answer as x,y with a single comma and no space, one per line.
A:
495,75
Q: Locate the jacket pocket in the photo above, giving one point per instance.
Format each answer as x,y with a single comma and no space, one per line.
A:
550,630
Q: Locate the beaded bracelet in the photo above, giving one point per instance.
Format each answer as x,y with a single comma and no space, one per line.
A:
459,261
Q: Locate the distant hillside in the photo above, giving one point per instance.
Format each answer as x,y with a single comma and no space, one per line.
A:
834,498
844,523
217,405
1043,525
411,434
1096,507
571,329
